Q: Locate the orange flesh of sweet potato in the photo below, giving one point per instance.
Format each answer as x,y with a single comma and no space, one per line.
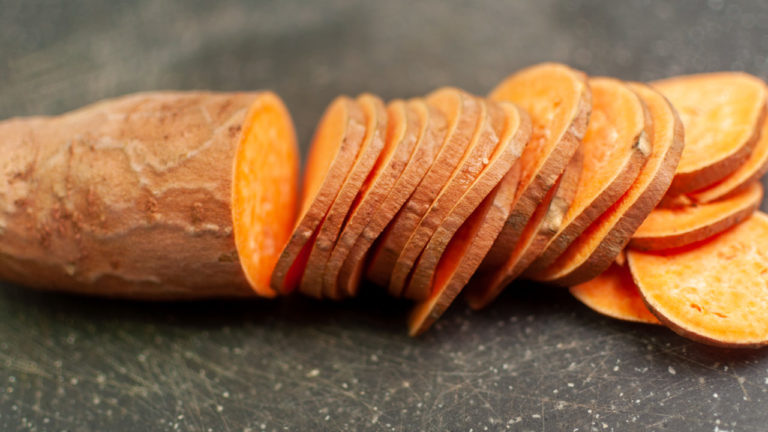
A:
123,198
616,146
356,184
722,114
559,102
463,115
514,135
429,136
336,143
597,247
715,293
751,171
264,192
398,145
485,286
465,252
667,228
485,144
613,293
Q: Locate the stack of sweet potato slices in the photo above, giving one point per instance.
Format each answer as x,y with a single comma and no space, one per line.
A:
617,189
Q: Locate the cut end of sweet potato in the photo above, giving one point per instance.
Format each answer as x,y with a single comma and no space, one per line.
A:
715,292
722,114
265,189
613,293
668,228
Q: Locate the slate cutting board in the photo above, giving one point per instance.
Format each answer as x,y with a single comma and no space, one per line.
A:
535,360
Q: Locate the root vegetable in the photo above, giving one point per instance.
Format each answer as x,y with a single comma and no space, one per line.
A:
714,293
667,228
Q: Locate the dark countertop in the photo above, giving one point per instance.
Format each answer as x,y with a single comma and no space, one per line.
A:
535,360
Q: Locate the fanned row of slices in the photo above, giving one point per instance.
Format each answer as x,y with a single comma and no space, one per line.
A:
548,178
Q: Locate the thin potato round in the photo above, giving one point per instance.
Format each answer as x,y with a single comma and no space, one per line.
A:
429,140
559,102
485,286
354,185
463,114
752,171
464,253
714,293
667,228
599,245
722,114
399,143
613,293
616,146
337,141
513,137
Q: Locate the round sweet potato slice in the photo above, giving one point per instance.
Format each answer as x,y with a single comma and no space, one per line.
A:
715,292
616,146
667,228
462,112
485,286
464,253
399,143
613,293
514,135
753,169
559,102
430,136
722,114
337,141
356,184
599,245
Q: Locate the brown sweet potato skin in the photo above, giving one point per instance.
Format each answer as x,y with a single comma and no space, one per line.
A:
125,198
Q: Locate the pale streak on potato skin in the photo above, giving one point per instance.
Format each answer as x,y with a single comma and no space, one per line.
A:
124,198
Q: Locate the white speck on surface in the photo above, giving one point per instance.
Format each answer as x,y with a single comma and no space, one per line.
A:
219,408
313,373
672,370
714,395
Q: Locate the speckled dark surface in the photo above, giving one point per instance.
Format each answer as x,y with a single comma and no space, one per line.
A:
535,360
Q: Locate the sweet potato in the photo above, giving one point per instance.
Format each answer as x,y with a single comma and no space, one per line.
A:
135,197
715,292
430,137
599,245
355,185
559,102
513,138
462,112
616,146
337,141
667,228
485,286
465,251
722,114
613,293
398,146
751,171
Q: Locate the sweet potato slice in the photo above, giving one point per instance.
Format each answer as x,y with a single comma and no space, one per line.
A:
485,286
399,143
430,136
264,192
514,135
613,293
559,102
337,141
667,228
751,171
463,115
599,245
355,185
722,114
135,197
714,293
616,146
465,251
